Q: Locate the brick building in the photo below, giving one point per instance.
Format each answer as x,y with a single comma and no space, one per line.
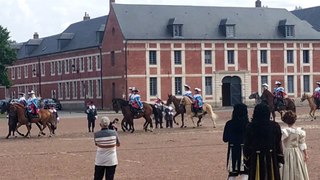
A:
228,52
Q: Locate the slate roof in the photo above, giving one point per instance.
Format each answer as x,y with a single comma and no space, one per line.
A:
146,22
81,35
311,15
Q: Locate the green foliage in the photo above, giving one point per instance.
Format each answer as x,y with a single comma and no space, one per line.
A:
7,56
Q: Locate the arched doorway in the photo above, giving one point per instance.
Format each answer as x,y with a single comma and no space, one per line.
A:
231,91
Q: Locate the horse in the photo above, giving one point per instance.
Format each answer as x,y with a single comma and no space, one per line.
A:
180,110
207,109
45,119
268,98
123,105
312,105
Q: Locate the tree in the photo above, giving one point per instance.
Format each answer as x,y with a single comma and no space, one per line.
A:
8,56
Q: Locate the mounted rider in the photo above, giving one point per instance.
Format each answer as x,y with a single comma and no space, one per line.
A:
22,99
197,101
135,102
279,95
187,91
316,95
32,106
130,93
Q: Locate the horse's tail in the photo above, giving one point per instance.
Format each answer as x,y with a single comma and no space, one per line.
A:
209,110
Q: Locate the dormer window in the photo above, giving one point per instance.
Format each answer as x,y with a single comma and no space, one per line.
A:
99,33
286,28
228,28
175,28
64,40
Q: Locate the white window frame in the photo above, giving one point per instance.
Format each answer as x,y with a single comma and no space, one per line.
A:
34,70
25,71
98,88
74,89
89,64
67,90
52,68
43,69
98,63
59,67
66,66
19,72
90,89
81,64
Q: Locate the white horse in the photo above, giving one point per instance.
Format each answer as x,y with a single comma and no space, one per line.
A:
207,109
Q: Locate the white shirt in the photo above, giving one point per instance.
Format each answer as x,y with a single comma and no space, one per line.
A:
317,89
106,156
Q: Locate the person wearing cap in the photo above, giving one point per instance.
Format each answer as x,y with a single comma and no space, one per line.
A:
136,103
316,95
197,101
187,91
32,106
279,94
22,99
106,160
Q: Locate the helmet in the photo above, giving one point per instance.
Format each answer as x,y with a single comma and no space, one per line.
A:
130,88
265,85
277,83
318,83
31,92
197,89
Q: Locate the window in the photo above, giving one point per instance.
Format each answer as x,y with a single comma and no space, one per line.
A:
81,64
208,84
90,88
89,63
19,72
264,79
290,84
98,63
178,85
13,73
25,70
177,57
153,86
43,69
59,67
67,90
177,30
82,89
99,89
66,66
290,56
34,70
112,56
306,83
230,31
52,68
306,56
263,57
74,89
289,31
230,56
208,57
153,57
60,91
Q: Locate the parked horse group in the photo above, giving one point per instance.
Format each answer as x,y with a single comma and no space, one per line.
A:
17,117
182,106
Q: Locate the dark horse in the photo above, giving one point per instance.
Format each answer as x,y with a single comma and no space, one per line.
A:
179,109
123,105
268,98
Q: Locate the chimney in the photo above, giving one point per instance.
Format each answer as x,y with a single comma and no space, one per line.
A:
258,3
35,35
86,16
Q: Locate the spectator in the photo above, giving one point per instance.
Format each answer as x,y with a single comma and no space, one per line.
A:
91,112
293,139
113,123
262,146
233,134
107,142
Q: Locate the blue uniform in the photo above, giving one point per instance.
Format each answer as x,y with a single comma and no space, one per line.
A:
188,93
136,101
32,105
198,100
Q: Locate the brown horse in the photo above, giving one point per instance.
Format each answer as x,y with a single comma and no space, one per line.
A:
180,110
45,118
312,105
123,105
268,98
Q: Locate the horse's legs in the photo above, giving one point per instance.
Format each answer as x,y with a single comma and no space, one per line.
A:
161,118
39,126
18,125
131,125
199,121
123,125
174,118
194,125
311,113
273,115
28,131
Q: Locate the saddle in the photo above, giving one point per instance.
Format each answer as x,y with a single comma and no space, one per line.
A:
136,112
33,116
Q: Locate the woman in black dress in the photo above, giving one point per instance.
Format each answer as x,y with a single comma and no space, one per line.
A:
233,134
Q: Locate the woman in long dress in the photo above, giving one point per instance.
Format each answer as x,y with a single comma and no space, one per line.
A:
262,146
295,150
233,133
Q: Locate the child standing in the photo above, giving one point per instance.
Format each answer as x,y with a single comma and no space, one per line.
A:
295,150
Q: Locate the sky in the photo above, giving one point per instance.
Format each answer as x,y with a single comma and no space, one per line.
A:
23,18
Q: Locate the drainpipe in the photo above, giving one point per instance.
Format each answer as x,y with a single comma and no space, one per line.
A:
126,66
101,80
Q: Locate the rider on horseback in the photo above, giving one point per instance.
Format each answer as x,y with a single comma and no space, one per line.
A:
32,106
316,95
135,101
197,102
279,95
187,91
22,99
